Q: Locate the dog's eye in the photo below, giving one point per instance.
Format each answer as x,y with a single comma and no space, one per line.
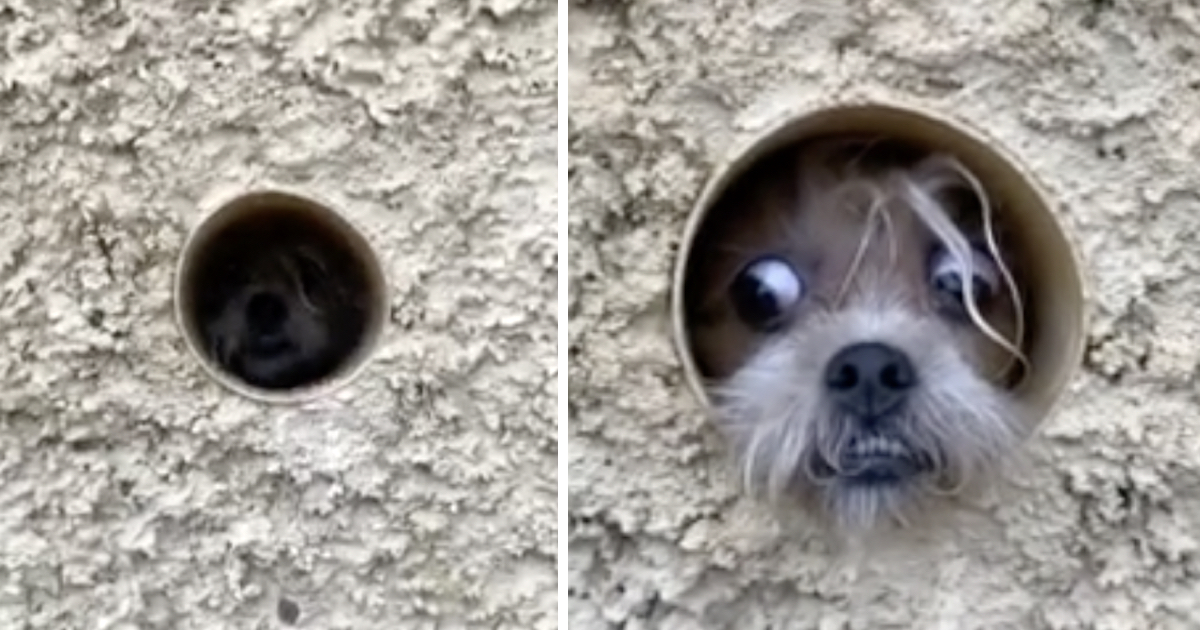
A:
948,279
766,291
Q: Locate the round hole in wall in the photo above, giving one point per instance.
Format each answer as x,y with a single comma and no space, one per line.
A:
279,297
1051,284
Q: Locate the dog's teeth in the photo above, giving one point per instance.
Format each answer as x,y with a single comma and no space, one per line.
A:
876,445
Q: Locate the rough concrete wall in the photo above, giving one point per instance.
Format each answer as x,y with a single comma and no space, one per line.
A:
1101,529
135,492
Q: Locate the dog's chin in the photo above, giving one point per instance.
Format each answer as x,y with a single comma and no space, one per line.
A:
862,477
866,503
872,478
879,479
280,364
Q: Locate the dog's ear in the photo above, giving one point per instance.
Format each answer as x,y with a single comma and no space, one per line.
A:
222,337
312,274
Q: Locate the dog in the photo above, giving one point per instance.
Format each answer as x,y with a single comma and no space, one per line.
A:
278,308
859,329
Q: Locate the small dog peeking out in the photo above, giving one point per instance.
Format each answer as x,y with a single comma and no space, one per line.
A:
276,306
852,308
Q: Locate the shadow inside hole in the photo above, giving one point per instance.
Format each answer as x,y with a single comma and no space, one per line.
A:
288,611
279,298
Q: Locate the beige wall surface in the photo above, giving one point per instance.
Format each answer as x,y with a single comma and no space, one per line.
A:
137,493
1101,527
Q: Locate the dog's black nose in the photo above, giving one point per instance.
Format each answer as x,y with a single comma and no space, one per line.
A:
869,379
266,312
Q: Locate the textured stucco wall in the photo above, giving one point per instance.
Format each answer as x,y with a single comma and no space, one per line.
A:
1100,98
134,491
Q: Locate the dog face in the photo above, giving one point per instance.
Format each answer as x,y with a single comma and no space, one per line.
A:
275,314
851,306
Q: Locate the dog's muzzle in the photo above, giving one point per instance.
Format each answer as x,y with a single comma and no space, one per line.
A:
870,382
